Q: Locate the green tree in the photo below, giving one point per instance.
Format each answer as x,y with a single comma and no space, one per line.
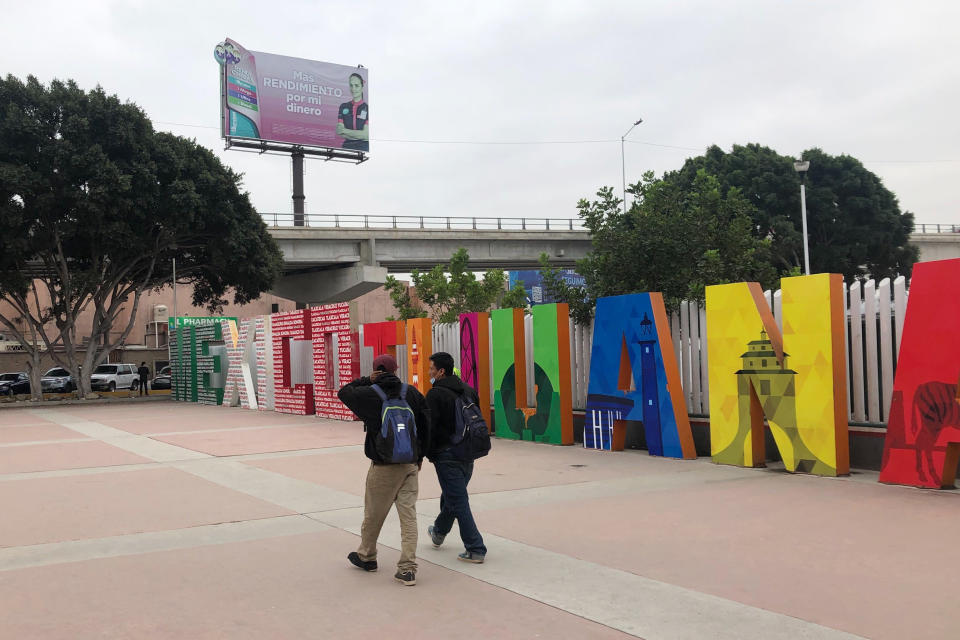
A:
670,240
407,307
447,291
579,301
854,223
95,205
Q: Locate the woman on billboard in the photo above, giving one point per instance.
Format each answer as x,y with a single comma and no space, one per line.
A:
353,118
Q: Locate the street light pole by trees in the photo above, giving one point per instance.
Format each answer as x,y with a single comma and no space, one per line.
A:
169,334
801,167
623,162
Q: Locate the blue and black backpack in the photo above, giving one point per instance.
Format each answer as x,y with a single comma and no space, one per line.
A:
396,441
472,437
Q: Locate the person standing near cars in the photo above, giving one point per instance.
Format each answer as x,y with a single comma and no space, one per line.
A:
144,374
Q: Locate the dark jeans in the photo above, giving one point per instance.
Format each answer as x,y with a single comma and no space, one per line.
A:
144,389
454,476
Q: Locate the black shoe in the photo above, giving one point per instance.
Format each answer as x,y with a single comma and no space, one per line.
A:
435,537
366,565
470,556
408,578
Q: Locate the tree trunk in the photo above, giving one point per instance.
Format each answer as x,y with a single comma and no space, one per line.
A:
89,364
33,368
35,372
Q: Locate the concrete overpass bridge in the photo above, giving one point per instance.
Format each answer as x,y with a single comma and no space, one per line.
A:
936,241
336,258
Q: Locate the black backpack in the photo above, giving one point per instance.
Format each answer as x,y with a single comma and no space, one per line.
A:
471,439
396,440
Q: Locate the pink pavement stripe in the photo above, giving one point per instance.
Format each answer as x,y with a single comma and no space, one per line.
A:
211,419
65,455
36,433
291,587
20,418
44,510
134,410
341,471
316,436
509,467
867,559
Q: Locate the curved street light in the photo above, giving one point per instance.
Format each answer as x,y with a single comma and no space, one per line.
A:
801,167
623,163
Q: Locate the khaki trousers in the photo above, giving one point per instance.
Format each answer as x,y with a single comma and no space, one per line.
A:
389,484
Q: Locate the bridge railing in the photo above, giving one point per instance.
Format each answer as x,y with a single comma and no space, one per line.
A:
936,228
364,221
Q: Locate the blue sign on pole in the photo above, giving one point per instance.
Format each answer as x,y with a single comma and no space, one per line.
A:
532,281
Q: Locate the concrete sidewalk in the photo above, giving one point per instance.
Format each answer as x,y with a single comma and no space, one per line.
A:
170,520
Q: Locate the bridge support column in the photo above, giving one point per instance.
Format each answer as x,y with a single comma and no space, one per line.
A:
368,252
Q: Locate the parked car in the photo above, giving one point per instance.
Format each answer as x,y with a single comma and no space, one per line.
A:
57,380
162,381
12,384
110,377
166,371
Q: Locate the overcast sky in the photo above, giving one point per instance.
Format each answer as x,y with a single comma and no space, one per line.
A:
877,80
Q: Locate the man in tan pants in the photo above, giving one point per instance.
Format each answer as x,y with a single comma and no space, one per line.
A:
389,483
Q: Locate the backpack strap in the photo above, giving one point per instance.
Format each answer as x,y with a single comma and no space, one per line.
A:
379,392
403,391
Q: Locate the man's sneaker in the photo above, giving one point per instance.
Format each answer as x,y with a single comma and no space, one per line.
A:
366,565
435,537
470,556
408,578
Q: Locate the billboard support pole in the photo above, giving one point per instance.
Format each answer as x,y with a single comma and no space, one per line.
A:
298,196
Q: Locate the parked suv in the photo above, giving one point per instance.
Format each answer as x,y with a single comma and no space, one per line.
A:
110,377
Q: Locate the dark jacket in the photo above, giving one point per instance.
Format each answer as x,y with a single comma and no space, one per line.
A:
143,372
360,398
442,403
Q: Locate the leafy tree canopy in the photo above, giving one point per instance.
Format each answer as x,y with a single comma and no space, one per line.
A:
95,205
672,240
854,223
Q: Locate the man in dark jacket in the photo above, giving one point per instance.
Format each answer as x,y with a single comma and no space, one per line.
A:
143,373
387,484
453,474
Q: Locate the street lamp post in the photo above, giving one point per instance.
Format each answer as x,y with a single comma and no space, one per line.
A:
623,163
801,167
174,292
169,333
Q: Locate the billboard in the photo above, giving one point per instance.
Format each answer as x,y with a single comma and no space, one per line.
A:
532,281
290,100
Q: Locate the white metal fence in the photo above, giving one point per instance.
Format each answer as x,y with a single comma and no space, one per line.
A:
874,313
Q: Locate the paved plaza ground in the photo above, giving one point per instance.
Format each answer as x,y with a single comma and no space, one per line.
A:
168,520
